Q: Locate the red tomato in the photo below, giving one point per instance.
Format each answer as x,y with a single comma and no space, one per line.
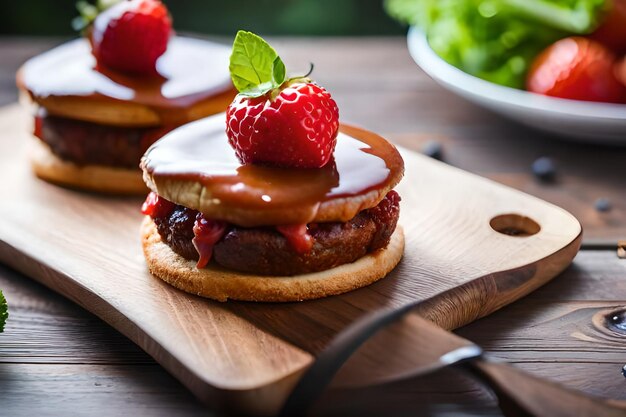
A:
579,69
612,32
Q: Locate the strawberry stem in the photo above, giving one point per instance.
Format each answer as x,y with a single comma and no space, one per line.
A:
310,70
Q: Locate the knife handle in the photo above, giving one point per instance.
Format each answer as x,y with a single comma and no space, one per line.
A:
521,394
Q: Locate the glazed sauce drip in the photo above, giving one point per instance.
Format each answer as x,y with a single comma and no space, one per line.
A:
207,233
189,72
38,126
298,237
156,206
199,152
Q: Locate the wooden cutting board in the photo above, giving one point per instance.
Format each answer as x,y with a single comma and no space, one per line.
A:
247,356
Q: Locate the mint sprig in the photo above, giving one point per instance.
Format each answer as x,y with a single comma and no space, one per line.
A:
255,67
4,312
88,12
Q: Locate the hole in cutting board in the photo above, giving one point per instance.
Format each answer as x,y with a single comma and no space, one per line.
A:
615,320
515,225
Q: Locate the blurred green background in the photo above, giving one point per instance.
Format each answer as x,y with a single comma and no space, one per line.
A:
224,17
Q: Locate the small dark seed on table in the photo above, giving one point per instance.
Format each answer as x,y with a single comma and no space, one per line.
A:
544,169
433,149
603,205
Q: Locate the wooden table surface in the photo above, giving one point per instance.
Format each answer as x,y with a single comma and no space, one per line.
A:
57,359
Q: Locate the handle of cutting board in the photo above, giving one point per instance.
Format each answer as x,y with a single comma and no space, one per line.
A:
519,393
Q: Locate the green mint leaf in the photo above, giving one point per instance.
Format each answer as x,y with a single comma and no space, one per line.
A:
102,5
4,312
278,70
255,67
88,12
86,9
259,90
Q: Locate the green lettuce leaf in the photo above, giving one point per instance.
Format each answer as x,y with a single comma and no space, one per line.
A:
496,40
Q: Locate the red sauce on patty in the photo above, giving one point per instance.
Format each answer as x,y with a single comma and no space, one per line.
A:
265,250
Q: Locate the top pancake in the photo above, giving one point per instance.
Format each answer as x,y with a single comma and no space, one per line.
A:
194,166
194,83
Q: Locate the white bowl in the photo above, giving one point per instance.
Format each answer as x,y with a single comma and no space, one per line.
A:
572,119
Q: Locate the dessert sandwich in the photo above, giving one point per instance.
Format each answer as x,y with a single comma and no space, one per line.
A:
100,102
274,200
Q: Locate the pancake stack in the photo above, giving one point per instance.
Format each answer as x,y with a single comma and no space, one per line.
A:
274,200
348,209
94,122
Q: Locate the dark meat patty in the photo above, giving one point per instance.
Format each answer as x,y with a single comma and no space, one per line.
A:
264,251
85,143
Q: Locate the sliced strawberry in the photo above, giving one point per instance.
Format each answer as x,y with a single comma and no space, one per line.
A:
131,35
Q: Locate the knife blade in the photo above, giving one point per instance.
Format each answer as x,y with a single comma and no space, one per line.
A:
404,349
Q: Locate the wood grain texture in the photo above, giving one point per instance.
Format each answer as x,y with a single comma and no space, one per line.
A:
61,389
92,255
46,330
106,374
413,110
419,345
584,173
521,394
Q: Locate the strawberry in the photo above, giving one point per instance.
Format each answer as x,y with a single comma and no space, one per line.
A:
131,35
298,128
273,121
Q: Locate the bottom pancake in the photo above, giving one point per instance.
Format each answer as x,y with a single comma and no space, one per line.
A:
221,284
98,178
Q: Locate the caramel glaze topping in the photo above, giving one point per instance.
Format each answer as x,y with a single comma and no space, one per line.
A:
194,166
191,71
